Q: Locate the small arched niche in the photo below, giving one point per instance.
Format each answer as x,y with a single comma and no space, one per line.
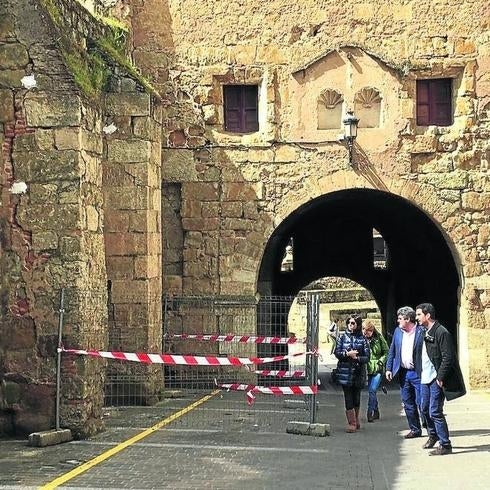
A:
329,109
367,107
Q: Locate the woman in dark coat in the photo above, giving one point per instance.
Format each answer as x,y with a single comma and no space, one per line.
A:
352,351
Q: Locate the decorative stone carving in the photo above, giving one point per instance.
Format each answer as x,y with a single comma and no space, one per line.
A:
367,106
329,109
330,98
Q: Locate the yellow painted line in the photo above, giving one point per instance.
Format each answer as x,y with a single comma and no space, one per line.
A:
123,445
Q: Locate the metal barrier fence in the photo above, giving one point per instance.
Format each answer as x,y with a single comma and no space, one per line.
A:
187,324
202,317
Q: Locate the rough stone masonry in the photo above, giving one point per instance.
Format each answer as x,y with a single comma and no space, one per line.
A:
135,189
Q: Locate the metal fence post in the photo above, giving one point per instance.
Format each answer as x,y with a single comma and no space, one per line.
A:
312,326
58,360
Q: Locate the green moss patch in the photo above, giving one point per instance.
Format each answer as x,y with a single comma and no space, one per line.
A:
92,68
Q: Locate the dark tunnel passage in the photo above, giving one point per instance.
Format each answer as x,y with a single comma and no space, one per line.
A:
333,236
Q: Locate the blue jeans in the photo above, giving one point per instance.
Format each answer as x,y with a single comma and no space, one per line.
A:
410,395
432,409
374,380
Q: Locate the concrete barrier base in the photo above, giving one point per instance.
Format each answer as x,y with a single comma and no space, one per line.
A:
307,429
50,437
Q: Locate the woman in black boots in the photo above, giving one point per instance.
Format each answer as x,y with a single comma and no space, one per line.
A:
352,351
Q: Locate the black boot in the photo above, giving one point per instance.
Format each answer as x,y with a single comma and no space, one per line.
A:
370,416
376,414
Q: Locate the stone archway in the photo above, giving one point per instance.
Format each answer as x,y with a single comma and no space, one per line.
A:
333,236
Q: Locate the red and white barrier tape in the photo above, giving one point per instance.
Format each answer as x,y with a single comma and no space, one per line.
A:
173,359
251,390
247,339
281,374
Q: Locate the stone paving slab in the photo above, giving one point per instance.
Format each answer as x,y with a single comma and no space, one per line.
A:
264,456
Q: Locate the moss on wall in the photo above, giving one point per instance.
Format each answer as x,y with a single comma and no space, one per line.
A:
92,62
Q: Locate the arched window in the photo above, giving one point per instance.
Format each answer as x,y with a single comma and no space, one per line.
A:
367,107
329,109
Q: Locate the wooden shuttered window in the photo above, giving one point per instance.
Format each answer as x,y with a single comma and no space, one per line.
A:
241,108
434,102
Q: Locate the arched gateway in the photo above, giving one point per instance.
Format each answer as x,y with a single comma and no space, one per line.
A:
333,236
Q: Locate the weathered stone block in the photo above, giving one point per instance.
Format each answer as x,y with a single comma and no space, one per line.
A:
238,191
464,46
11,78
477,201
49,216
204,224
116,220
43,193
285,153
43,109
7,24
128,151
231,209
70,247
92,218
69,196
67,138
203,191
120,267
130,198
137,104
191,208
50,437
130,291
238,224
453,180
44,240
210,209
13,55
172,284
47,166
146,128
147,267
307,429
6,105
424,144
44,139
126,243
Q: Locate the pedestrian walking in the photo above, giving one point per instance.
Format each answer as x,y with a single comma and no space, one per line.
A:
404,359
352,352
378,349
440,379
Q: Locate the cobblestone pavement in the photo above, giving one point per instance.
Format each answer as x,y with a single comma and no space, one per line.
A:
226,445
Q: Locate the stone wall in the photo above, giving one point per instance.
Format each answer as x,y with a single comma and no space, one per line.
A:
115,192
132,197
72,123
236,189
51,231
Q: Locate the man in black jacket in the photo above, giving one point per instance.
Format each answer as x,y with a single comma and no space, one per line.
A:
440,378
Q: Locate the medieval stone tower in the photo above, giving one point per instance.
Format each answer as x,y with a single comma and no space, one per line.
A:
177,147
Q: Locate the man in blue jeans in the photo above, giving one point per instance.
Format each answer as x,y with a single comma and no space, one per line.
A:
440,378
404,359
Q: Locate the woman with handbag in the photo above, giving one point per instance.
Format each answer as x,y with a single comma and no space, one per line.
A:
378,348
352,351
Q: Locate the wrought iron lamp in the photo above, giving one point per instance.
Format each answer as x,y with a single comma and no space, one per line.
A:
287,263
350,131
